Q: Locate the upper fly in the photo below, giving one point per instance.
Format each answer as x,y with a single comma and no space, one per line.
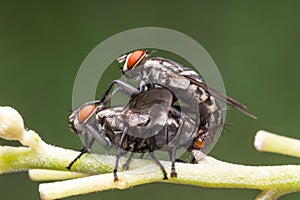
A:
187,85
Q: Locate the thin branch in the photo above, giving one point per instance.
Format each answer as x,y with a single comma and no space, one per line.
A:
270,194
52,175
270,142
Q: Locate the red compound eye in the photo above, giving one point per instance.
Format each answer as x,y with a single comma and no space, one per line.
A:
135,58
85,112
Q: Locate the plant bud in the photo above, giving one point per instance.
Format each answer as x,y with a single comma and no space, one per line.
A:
11,124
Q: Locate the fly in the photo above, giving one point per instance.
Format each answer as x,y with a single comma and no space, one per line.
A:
146,124
187,85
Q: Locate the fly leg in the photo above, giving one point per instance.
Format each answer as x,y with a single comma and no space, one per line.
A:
173,159
142,155
160,165
118,156
120,152
108,99
122,86
82,152
87,145
174,144
138,146
151,154
126,88
172,152
99,136
126,164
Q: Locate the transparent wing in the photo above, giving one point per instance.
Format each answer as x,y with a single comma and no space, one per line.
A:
230,101
143,101
148,108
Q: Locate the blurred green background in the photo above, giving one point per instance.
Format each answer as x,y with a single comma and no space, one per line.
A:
255,45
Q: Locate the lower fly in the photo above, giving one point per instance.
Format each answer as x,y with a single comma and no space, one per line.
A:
146,124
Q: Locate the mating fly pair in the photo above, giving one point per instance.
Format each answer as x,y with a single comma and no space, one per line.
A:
198,105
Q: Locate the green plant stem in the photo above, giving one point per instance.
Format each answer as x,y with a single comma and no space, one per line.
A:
273,181
45,156
208,173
